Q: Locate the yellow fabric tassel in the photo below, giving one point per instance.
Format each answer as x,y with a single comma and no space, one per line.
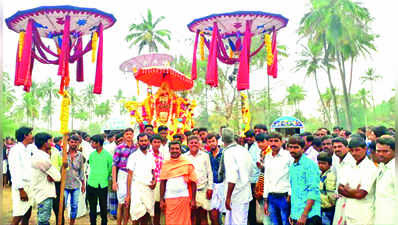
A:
231,53
268,47
94,40
20,43
202,47
138,88
64,116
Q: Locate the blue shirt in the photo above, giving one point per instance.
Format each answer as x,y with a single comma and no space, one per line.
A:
215,164
254,151
304,181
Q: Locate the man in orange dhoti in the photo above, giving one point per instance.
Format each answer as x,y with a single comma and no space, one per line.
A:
177,187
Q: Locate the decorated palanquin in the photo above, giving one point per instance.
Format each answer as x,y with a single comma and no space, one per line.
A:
164,107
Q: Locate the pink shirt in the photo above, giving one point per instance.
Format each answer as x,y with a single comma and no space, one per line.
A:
158,163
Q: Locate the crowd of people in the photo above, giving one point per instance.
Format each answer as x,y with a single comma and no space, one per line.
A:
326,177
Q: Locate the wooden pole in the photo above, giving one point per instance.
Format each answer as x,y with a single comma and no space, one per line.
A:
63,176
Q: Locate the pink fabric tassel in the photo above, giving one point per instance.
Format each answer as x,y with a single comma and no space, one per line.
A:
98,72
18,79
79,63
194,71
243,79
64,48
28,81
26,59
273,69
212,70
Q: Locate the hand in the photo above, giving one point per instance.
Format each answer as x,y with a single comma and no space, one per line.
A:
127,200
259,165
228,204
50,179
83,189
65,164
266,212
291,221
153,185
302,220
209,194
23,195
162,205
288,198
193,204
114,186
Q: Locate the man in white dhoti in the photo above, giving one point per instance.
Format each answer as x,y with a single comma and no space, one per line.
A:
238,168
141,182
386,203
358,187
19,160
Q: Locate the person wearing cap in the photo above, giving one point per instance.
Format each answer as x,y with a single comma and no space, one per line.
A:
357,187
386,202
327,188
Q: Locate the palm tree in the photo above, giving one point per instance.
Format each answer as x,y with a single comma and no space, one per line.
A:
8,94
118,97
295,95
49,91
103,109
89,99
371,77
30,105
342,26
311,62
363,95
147,34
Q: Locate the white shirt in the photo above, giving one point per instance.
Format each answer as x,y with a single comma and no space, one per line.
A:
312,154
41,167
19,161
110,147
176,187
238,169
164,151
201,162
276,173
338,166
386,203
361,211
142,165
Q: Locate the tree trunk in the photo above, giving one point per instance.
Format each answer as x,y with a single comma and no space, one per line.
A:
320,97
326,59
269,100
347,112
352,68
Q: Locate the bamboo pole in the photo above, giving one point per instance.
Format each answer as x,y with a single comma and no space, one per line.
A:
63,176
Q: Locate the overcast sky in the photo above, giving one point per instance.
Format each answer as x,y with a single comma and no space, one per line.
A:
179,13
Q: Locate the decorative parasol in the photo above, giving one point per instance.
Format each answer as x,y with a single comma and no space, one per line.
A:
234,31
147,60
66,25
156,75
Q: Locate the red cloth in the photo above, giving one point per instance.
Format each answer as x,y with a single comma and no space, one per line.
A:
98,72
212,70
194,72
243,79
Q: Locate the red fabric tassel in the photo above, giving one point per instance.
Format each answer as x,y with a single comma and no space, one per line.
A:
212,70
243,79
18,79
28,81
194,72
98,72
79,64
273,69
24,70
64,48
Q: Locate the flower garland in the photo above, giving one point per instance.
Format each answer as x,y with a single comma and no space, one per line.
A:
64,116
246,116
20,43
270,56
201,46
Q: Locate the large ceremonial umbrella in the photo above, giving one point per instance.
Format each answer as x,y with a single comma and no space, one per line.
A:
147,60
66,25
227,31
156,75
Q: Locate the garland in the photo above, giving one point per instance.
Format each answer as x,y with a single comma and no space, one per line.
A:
201,46
64,116
246,116
270,56
20,43
94,40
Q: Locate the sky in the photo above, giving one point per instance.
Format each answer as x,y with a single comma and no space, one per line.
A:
179,13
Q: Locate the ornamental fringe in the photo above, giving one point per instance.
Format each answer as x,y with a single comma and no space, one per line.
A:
64,116
270,56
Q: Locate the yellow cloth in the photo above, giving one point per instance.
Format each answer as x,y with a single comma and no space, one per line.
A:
327,189
178,211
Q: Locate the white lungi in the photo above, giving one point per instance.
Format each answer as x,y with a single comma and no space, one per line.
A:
4,166
201,200
156,192
142,201
19,208
238,214
218,200
122,186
